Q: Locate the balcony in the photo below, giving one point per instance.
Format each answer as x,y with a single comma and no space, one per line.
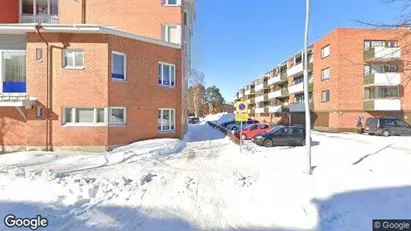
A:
250,91
279,108
382,105
382,54
383,79
261,98
240,95
261,86
277,79
295,70
300,106
296,88
251,111
284,92
251,101
261,110
274,94
44,19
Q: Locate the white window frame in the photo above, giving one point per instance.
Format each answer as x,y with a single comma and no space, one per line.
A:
323,96
322,73
161,116
74,59
74,117
124,67
124,118
166,32
323,53
166,3
170,70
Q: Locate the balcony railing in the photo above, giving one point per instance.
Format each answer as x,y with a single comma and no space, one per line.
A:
46,19
251,111
383,79
382,105
295,70
261,110
249,91
277,79
261,86
382,54
251,101
261,98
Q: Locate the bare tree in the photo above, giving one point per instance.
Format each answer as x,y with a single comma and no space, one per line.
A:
196,84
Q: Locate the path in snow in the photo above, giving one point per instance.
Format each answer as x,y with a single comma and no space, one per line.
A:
204,183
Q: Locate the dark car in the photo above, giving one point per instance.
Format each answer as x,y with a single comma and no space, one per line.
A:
281,136
225,124
387,127
236,125
194,120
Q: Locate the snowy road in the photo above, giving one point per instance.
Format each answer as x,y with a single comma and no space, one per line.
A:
204,183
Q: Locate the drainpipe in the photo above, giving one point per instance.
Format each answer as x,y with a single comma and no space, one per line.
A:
83,11
48,101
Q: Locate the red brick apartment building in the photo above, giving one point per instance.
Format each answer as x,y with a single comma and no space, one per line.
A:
92,74
352,73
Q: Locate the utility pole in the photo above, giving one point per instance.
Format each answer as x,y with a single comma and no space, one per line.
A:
306,93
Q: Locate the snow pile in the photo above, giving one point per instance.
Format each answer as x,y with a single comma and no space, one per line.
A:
220,118
205,183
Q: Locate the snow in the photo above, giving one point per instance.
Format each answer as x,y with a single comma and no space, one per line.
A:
203,182
220,118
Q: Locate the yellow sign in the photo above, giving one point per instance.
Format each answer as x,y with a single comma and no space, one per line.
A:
241,107
241,117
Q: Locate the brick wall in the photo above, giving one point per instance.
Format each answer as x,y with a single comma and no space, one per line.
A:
143,17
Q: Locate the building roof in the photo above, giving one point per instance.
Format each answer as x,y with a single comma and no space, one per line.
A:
80,28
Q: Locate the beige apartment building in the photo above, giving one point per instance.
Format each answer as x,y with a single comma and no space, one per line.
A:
352,73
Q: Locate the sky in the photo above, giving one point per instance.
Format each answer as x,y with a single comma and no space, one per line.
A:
235,41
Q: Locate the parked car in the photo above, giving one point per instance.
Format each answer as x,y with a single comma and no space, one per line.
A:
253,129
281,136
236,125
193,120
227,123
387,127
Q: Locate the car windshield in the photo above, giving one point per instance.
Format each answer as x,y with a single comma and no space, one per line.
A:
248,127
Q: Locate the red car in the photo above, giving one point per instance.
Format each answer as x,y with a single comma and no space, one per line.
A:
251,130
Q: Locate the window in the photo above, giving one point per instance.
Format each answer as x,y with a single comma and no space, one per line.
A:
118,66
166,74
117,116
39,54
172,33
185,18
379,43
39,114
325,51
73,59
171,2
13,71
166,120
325,73
253,127
84,116
297,131
402,123
381,92
325,96
263,126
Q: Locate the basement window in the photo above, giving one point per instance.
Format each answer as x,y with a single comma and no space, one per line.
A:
84,116
171,2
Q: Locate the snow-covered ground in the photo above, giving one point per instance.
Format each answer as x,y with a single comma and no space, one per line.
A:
204,183
220,118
